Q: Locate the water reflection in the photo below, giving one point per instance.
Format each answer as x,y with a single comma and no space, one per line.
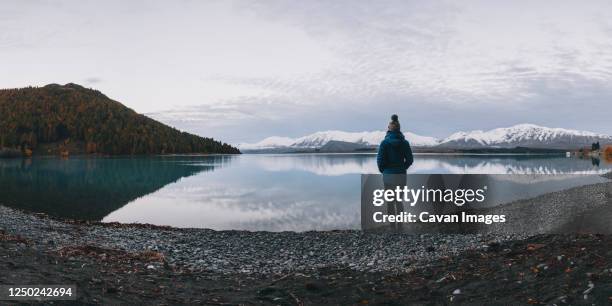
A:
89,188
251,192
342,164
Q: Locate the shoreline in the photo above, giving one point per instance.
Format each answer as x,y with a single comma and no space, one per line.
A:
299,250
209,250
175,265
544,269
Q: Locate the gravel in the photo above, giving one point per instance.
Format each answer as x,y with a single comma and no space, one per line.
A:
249,252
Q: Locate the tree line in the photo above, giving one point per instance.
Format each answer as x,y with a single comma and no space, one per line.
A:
56,114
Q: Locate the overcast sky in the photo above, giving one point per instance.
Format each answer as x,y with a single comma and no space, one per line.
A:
243,70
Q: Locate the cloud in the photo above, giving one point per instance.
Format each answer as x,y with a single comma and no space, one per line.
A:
442,51
92,80
245,70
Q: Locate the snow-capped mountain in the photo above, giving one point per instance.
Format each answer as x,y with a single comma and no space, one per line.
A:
521,135
524,135
319,139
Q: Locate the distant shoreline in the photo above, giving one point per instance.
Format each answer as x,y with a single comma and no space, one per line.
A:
415,153
117,155
277,153
416,150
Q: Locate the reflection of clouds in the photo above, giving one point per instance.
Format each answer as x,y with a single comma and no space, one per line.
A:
330,165
300,192
217,193
221,206
301,216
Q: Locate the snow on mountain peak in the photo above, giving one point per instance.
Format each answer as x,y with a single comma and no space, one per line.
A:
523,135
268,143
319,139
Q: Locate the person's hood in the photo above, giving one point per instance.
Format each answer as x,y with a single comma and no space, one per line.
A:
395,138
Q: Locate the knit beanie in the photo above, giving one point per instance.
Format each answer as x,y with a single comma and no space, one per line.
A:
394,125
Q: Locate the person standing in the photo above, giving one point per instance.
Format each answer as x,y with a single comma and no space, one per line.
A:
393,159
394,153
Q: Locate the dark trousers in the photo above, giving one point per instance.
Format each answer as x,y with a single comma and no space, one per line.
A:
391,182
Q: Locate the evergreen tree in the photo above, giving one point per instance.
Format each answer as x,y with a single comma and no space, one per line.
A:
59,115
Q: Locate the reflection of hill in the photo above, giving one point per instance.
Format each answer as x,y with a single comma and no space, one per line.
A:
90,188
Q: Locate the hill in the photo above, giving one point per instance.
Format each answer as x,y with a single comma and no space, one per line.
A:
56,118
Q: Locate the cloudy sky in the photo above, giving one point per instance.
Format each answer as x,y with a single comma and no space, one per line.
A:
244,70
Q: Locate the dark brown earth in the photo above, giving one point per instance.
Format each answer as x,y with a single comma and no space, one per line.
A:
546,269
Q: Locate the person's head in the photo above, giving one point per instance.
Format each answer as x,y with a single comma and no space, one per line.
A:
394,125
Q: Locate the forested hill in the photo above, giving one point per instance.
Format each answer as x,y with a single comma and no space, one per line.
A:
73,119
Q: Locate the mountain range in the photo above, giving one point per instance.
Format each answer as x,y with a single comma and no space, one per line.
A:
521,135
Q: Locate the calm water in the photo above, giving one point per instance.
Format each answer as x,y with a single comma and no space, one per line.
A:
252,192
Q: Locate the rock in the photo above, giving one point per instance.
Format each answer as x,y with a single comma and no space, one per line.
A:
312,286
535,246
590,288
493,246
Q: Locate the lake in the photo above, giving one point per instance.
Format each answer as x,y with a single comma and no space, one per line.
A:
295,192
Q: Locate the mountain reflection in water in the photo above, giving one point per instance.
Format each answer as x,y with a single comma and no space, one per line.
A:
247,192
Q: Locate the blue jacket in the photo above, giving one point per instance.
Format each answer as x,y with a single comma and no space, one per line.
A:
394,154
